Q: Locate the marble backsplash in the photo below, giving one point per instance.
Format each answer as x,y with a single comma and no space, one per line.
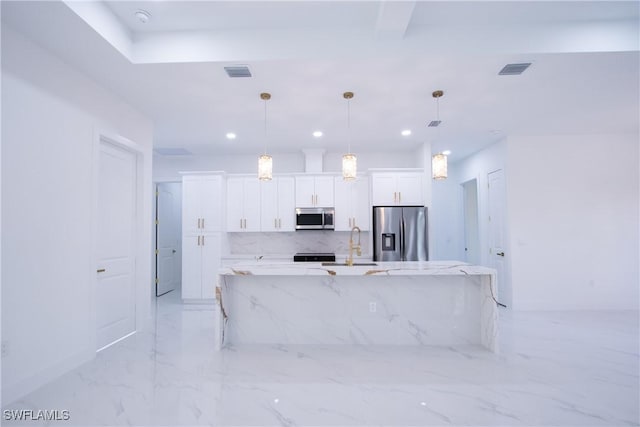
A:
298,241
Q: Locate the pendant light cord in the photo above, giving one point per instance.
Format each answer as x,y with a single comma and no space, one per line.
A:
265,126
349,125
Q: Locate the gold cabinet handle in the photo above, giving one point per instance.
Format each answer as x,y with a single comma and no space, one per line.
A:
400,196
275,223
395,197
101,270
203,223
202,240
279,222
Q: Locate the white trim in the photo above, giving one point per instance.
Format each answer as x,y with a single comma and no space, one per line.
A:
116,341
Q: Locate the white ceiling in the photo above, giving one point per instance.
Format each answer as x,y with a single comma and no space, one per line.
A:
584,75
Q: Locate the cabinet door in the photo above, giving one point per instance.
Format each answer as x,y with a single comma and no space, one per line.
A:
269,205
235,193
191,267
409,186
324,191
383,190
210,245
344,213
286,204
360,206
190,205
251,204
211,203
305,192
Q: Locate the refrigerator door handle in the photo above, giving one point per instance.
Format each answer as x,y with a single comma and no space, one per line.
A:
402,238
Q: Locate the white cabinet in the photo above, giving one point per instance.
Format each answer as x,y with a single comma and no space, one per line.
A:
397,188
202,198
314,191
352,204
200,264
278,204
201,203
243,204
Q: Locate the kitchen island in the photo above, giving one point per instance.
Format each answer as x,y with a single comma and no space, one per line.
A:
443,303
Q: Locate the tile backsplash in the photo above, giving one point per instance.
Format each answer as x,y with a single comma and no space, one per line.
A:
298,241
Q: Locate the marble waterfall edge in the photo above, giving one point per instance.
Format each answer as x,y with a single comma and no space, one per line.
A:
409,303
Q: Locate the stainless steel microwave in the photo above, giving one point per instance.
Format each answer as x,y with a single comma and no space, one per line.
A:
315,218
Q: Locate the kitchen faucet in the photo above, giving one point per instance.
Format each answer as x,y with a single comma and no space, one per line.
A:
352,247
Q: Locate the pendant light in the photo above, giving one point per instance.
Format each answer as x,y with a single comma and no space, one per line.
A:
438,161
265,162
349,160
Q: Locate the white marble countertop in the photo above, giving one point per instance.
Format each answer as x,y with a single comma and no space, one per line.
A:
408,268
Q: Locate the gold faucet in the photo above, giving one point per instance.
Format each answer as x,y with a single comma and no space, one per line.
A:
352,247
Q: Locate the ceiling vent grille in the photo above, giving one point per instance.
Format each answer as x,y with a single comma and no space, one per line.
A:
434,123
238,71
514,69
172,151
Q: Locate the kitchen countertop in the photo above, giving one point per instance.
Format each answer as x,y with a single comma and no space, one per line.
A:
267,267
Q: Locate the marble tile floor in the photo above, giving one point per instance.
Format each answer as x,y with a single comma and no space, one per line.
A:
553,369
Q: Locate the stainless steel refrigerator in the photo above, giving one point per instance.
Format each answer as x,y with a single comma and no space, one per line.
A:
400,233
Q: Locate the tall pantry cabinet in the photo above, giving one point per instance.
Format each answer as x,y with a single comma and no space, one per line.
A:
202,201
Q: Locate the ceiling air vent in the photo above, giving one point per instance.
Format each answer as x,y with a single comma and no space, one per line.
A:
172,151
514,69
238,71
434,123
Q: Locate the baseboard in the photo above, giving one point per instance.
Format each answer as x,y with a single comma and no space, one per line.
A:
16,391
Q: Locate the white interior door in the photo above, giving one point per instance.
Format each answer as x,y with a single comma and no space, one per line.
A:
115,294
497,234
167,239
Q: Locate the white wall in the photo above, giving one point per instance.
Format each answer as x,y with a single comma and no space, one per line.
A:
167,168
573,208
50,119
446,218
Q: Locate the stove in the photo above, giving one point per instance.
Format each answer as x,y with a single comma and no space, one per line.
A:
314,257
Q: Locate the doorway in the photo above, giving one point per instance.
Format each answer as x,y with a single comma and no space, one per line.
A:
117,195
497,232
168,229
471,228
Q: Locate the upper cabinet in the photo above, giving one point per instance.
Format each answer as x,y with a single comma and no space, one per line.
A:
352,204
278,204
314,191
243,204
397,188
202,203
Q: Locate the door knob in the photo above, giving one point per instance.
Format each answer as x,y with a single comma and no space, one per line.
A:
500,254
173,251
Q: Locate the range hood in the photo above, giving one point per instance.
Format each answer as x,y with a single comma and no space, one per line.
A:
313,160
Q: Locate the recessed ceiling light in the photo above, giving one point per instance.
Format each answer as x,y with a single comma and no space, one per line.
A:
317,134
446,152
231,135
406,132
142,15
